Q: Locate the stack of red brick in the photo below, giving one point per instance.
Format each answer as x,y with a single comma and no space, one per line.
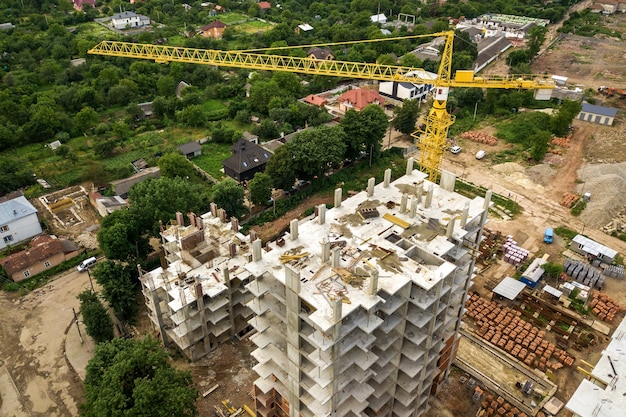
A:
479,137
498,408
504,328
569,199
603,306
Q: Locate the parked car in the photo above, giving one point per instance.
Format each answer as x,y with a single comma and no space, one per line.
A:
456,149
480,154
86,264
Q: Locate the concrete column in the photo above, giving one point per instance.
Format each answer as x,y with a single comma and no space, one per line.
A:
337,201
370,186
292,279
292,332
373,286
403,202
180,219
450,226
252,235
231,312
413,208
321,213
420,192
293,229
487,199
336,257
256,250
429,197
409,166
337,306
221,213
234,224
387,177
213,209
325,251
465,214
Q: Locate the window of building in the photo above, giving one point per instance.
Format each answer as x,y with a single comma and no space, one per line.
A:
4,228
26,274
47,264
8,239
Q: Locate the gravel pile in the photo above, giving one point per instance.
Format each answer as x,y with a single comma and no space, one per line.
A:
541,174
607,185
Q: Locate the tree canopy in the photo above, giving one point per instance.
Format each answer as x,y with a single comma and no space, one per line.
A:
119,287
97,321
174,165
133,377
229,195
260,188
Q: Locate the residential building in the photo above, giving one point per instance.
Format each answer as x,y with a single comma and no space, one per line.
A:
127,20
378,18
121,187
592,249
358,99
80,4
247,159
606,7
107,205
304,27
264,5
7,26
214,29
190,149
597,114
18,221
429,50
198,300
318,53
315,100
358,308
43,252
406,90
602,393
508,26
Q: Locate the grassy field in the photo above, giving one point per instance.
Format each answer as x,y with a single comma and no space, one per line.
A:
254,26
211,159
230,18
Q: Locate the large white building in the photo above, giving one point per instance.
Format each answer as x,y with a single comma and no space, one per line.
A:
127,20
407,90
357,310
18,222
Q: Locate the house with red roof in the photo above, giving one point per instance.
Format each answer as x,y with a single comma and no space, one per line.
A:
358,99
315,100
214,29
43,252
79,4
264,5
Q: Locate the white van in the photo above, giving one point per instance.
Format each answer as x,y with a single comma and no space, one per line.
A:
480,154
86,264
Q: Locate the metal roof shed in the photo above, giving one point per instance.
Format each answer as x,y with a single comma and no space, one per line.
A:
509,288
597,114
586,246
533,273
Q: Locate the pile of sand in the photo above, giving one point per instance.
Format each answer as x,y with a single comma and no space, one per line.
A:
607,185
541,174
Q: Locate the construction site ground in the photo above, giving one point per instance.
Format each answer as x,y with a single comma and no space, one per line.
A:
41,355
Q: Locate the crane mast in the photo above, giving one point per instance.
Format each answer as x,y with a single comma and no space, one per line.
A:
431,140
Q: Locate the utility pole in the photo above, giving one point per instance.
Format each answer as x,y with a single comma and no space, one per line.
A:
77,327
90,281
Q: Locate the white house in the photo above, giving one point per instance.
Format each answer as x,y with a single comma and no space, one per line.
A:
407,90
378,18
18,221
126,20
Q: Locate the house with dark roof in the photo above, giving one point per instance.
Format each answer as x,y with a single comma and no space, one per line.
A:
43,252
358,99
318,53
121,187
190,149
215,29
246,160
489,49
18,221
597,114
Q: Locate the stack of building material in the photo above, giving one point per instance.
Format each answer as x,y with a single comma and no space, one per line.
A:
569,199
583,273
505,328
614,271
562,142
498,408
604,307
480,137
513,253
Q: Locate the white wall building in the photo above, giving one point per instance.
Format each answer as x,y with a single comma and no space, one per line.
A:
358,308
406,90
127,20
18,222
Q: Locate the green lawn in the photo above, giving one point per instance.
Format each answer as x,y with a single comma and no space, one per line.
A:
211,159
253,26
230,18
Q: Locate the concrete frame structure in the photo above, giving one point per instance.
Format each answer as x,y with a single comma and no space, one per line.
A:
358,309
199,300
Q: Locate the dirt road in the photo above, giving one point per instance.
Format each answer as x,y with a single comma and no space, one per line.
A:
35,377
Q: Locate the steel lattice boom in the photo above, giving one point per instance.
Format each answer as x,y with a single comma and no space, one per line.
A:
432,139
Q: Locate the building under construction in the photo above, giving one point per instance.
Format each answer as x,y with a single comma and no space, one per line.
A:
198,299
358,309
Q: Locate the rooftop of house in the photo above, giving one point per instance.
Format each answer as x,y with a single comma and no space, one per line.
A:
15,209
190,147
604,111
264,5
361,97
39,249
214,24
366,234
315,100
246,155
320,53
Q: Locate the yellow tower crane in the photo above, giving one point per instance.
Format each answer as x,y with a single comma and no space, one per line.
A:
431,140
